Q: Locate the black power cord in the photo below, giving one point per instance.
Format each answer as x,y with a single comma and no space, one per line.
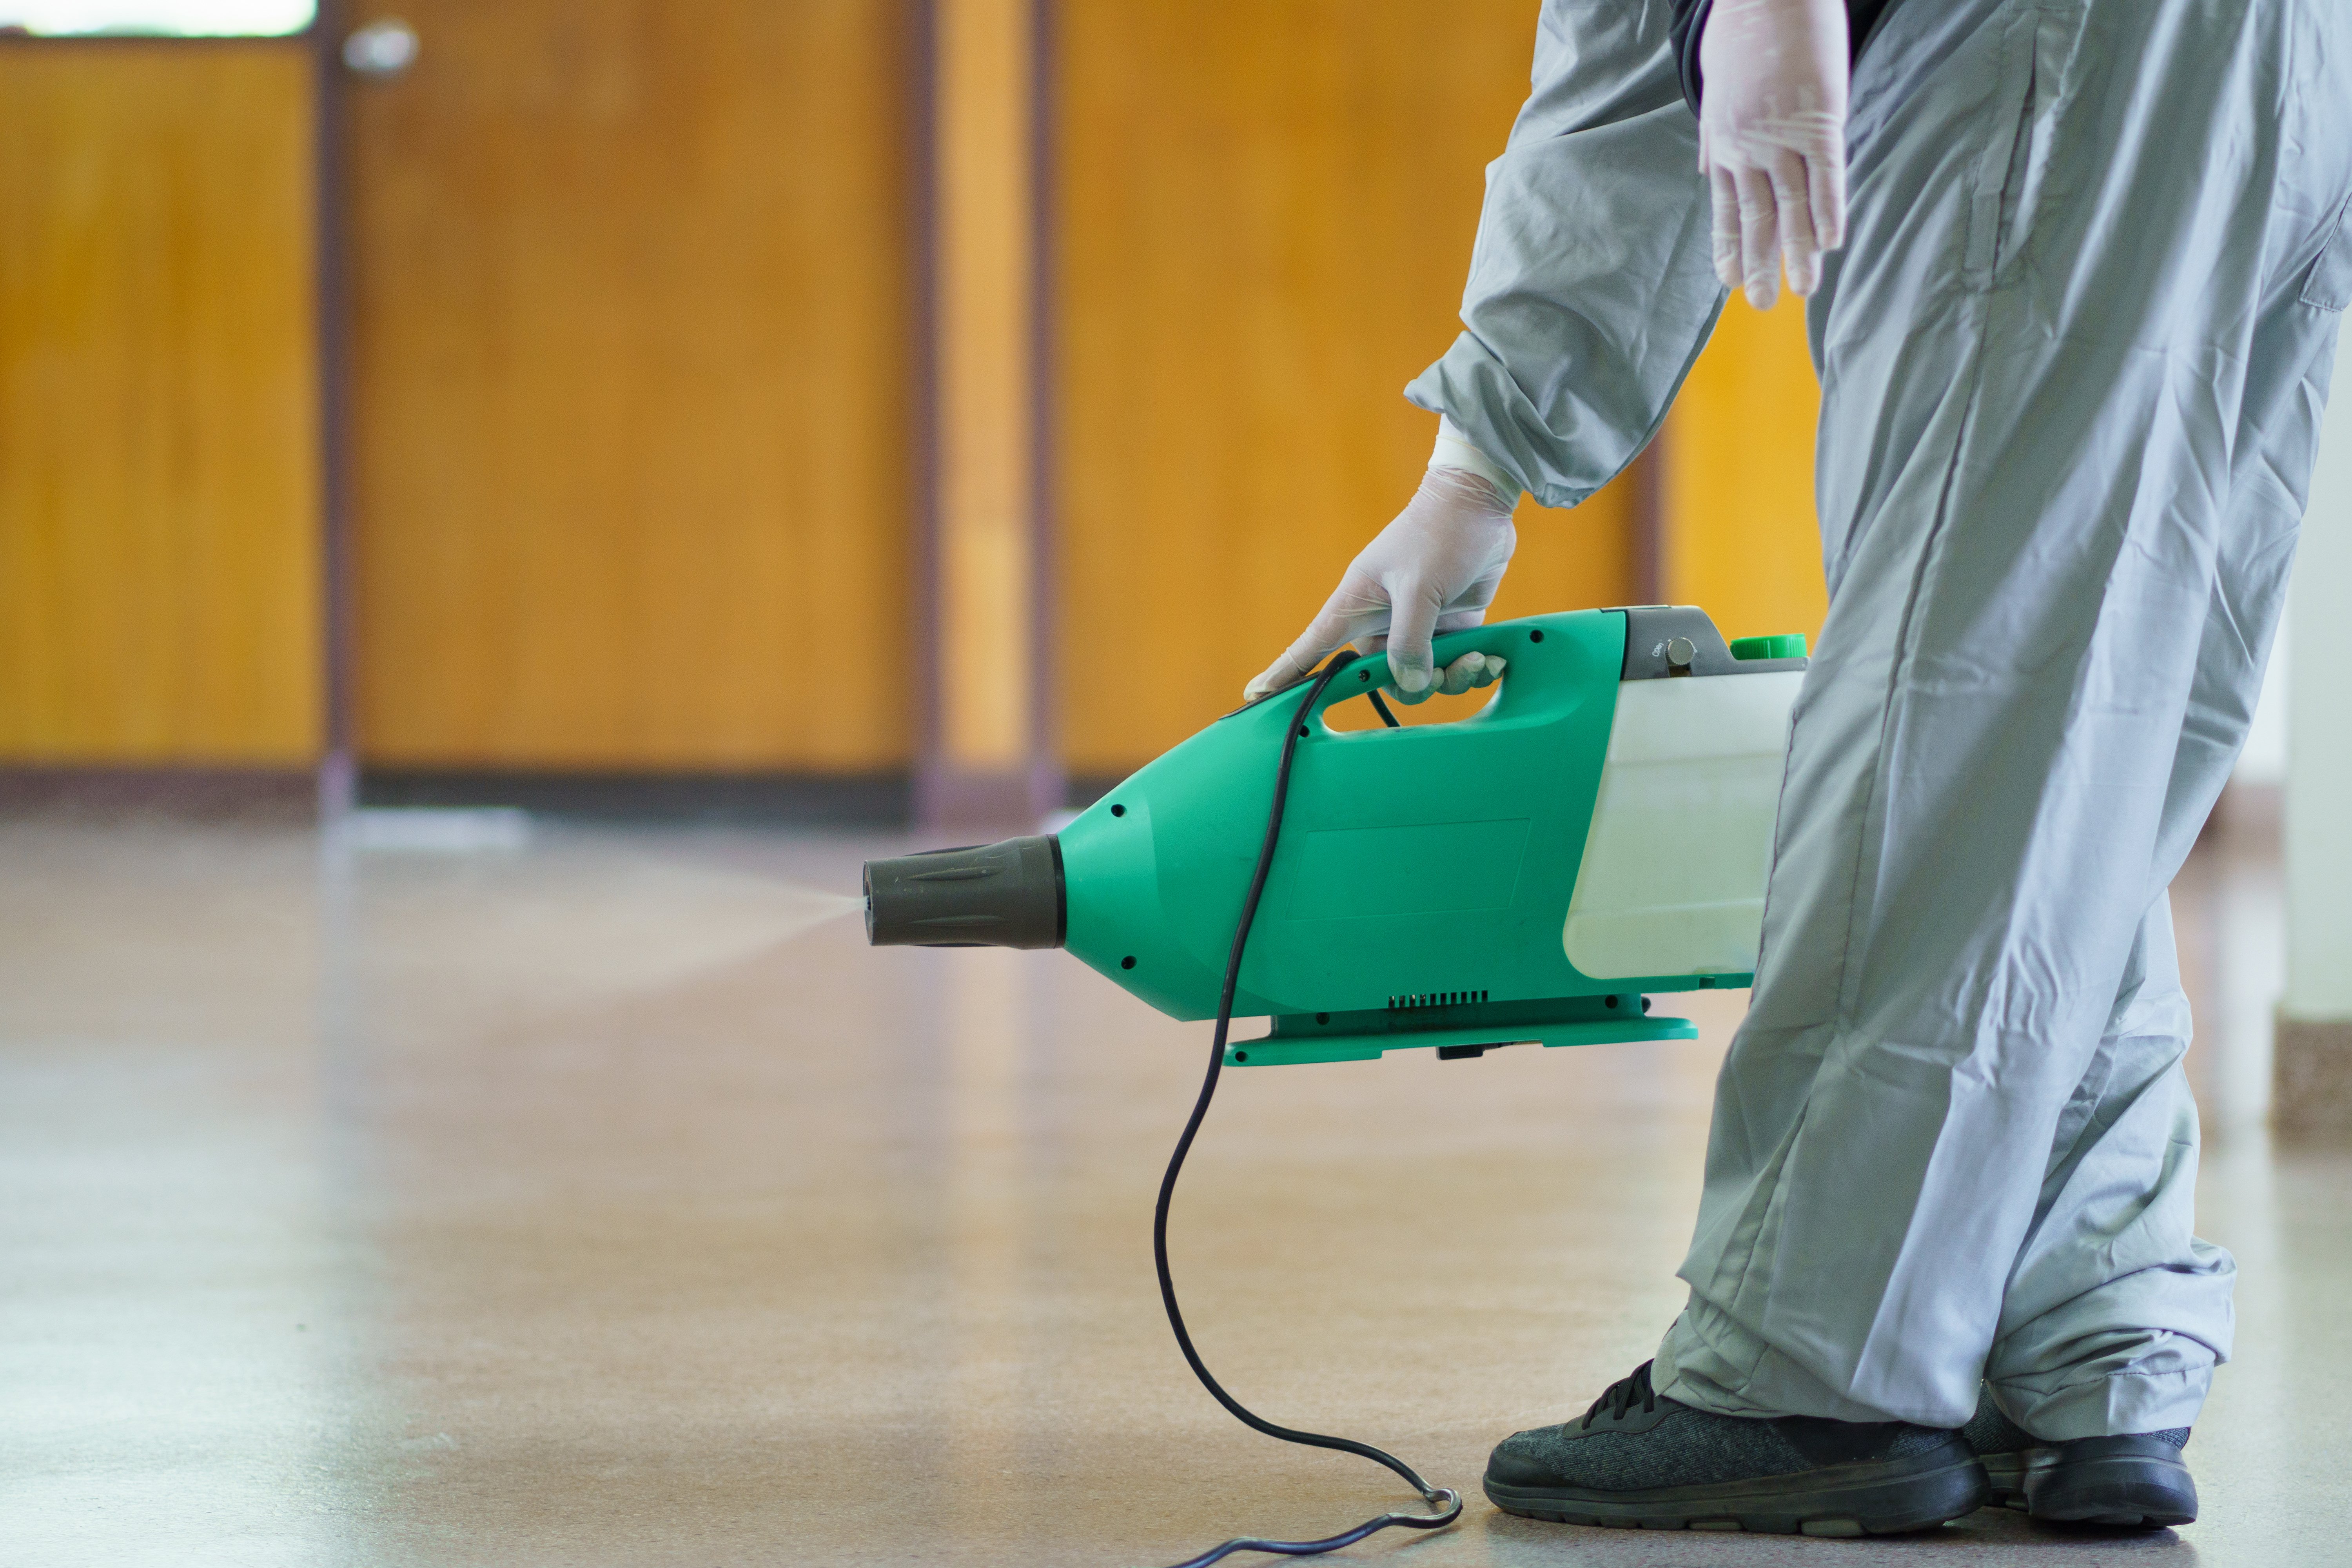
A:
1447,1501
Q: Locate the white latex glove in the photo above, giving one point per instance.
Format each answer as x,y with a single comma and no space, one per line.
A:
1433,569
1771,139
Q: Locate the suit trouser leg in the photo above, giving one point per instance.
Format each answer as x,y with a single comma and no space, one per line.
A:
2091,1337
2072,374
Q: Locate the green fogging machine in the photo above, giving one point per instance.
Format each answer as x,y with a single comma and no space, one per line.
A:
1601,830
1598,832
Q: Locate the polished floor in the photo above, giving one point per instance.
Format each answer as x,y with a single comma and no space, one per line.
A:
604,1200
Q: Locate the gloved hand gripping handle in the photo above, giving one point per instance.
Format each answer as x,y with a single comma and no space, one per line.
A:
1374,674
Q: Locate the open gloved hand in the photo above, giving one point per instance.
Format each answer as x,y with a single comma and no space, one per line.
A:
1771,139
1433,569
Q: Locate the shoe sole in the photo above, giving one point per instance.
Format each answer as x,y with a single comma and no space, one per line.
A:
2134,1491
1888,1498
2123,1491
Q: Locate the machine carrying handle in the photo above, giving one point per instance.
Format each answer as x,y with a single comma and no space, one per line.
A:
1508,639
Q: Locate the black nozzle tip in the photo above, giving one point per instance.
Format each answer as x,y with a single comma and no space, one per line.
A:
986,895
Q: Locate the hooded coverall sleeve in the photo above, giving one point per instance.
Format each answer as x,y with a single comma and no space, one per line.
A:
1591,287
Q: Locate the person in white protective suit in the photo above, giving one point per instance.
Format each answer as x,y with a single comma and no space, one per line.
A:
2075,268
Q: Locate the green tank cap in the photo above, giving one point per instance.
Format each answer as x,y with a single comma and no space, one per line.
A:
1786,645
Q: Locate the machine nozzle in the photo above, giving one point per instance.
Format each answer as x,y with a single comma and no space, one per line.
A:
989,894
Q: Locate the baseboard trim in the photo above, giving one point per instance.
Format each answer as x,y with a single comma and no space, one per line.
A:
115,794
1082,790
2311,1076
291,794
857,800
2247,816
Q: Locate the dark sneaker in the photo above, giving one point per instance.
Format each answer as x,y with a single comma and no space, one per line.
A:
1637,1459
2135,1480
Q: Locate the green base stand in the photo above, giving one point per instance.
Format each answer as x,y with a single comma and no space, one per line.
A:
1455,1029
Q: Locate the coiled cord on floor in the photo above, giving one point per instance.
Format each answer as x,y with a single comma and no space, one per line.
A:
1447,1501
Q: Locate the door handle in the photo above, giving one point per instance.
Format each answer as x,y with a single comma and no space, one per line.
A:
380,50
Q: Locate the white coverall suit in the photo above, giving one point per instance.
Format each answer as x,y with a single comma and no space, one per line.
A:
2073,357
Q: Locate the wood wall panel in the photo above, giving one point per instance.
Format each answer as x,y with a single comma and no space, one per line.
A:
159,541
1742,535
1263,219
632,394
984,286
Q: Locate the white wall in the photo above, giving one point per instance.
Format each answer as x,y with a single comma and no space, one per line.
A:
2319,737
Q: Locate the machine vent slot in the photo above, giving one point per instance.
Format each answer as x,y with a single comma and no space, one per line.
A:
1414,1002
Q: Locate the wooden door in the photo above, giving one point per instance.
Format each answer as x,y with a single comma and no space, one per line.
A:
159,563
632,391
